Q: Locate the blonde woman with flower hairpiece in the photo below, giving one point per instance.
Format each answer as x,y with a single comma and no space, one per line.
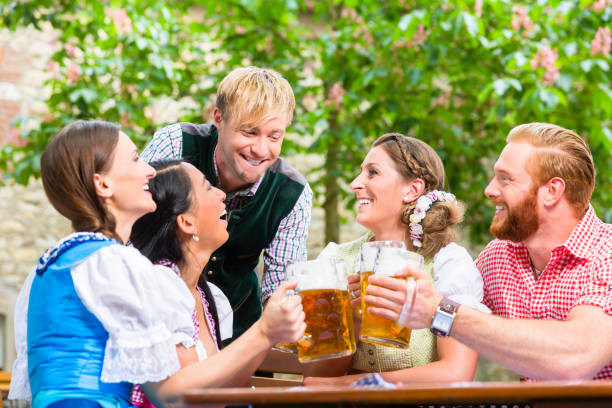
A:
400,192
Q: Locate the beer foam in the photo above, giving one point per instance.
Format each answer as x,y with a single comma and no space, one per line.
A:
369,252
392,260
317,274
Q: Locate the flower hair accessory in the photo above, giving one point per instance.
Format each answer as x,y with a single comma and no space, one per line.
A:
423,204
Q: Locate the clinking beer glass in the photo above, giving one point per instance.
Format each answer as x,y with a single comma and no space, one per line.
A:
384,258
323,287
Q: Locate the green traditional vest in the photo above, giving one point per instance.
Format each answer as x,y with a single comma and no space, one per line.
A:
251,225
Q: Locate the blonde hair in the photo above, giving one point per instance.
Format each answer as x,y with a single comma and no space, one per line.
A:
560,153
251,96
413,159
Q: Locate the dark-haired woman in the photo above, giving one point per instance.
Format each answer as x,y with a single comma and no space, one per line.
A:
400,195
182,233
97,316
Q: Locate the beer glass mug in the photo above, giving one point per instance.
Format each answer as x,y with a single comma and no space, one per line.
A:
384,258
323,287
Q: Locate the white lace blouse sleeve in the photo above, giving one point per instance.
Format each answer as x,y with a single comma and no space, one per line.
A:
456,277
145,308
224,311
20,380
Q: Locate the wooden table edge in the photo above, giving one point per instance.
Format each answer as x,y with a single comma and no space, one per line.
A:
415,394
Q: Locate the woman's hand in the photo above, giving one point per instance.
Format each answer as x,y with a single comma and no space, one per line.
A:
354,287
386,297
282,320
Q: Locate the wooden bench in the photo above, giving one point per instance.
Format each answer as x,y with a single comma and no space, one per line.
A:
5,381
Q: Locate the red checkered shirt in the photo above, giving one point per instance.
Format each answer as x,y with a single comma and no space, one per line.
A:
579,273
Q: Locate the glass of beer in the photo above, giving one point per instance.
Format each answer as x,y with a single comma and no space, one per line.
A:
323,287
384,258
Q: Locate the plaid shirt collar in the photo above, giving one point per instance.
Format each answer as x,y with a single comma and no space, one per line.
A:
580,242
249,191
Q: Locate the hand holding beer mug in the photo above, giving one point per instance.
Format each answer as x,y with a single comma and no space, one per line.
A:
384,258
282,319
322,285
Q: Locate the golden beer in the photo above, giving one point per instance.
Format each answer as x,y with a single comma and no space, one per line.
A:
379,330
329,325
286,347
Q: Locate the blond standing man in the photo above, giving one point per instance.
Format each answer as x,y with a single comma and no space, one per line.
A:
268,202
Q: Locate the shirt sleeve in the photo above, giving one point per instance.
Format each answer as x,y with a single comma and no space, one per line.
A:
145,308
288,244
598,290
456,277
20,380
167,143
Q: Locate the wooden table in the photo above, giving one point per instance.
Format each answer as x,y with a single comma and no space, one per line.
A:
537,395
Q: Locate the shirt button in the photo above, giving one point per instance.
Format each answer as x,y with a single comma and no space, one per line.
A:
371,362
370,352
214,258
209,273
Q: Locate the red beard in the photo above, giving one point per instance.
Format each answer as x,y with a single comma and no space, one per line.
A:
520,222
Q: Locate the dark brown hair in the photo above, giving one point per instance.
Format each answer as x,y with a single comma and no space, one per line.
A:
414,159
67,167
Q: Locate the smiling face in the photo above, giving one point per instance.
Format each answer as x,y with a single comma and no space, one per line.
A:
246,152
380,190
125,187
207,210
514,194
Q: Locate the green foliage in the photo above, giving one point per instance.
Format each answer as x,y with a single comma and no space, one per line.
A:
457,77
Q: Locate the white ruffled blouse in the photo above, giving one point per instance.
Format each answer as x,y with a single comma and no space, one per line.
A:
146,309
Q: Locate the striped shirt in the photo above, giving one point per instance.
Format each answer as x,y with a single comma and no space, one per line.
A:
289,243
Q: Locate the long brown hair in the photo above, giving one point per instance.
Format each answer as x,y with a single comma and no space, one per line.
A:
414,159
67,167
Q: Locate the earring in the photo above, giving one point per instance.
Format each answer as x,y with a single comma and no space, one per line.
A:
406,199
195,238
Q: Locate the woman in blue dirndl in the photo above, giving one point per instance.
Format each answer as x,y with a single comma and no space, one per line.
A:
97,316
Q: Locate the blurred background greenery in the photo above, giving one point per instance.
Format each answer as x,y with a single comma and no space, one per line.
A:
456,74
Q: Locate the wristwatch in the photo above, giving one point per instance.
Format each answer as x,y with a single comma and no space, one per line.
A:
443,318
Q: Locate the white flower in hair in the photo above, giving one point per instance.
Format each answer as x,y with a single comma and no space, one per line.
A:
423,204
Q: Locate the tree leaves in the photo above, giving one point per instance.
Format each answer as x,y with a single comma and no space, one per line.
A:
454,76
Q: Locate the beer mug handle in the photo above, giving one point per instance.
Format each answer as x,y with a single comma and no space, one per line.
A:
290,277
408,301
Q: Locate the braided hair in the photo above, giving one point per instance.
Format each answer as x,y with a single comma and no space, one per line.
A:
414,159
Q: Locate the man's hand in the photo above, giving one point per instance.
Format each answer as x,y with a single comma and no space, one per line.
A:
386,297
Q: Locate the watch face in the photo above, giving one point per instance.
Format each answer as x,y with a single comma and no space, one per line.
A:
444,322
441,324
